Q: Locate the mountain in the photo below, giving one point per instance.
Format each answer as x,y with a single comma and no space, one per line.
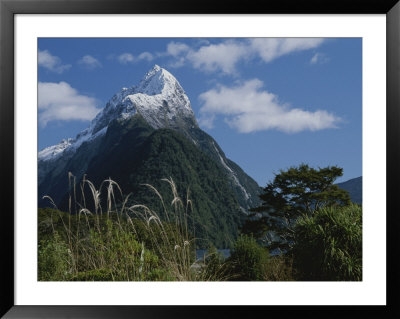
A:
146,133
354,187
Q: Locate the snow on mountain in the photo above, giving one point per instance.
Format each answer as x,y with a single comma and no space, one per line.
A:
159,98
68,145
55,150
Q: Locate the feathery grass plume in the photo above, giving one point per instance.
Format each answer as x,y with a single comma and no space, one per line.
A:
171,239
104,244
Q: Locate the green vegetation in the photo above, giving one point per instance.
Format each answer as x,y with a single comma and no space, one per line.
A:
54,259
329,244
73,247
293,193
111,238
135,154
214,267
280,268
249,260
121,242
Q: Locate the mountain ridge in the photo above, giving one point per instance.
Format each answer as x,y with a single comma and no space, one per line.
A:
354,187
159,98
120,142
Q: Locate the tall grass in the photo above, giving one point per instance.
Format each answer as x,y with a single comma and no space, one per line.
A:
170,239
329,244
112,240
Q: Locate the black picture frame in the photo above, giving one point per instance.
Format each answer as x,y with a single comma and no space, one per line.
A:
8,8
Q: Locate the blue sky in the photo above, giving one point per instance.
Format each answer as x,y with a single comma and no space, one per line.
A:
269,103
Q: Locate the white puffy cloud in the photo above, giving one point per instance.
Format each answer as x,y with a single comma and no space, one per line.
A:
272,48
247,108
206,120
59,101
125,58
145,56
51,62
89,62
214,57
225,55
176,48
177,63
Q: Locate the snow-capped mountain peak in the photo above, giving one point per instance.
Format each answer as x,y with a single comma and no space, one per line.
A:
158,81
159,98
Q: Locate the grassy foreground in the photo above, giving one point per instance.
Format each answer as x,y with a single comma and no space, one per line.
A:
116,242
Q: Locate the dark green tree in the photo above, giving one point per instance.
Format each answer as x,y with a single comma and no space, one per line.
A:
255,226
298,191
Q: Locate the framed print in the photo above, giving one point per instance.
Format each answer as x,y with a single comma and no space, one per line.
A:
210,157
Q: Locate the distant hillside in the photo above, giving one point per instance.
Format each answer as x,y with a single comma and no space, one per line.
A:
354,187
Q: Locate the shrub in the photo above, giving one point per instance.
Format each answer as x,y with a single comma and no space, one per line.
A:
248,259
329,244
116,249
54,260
